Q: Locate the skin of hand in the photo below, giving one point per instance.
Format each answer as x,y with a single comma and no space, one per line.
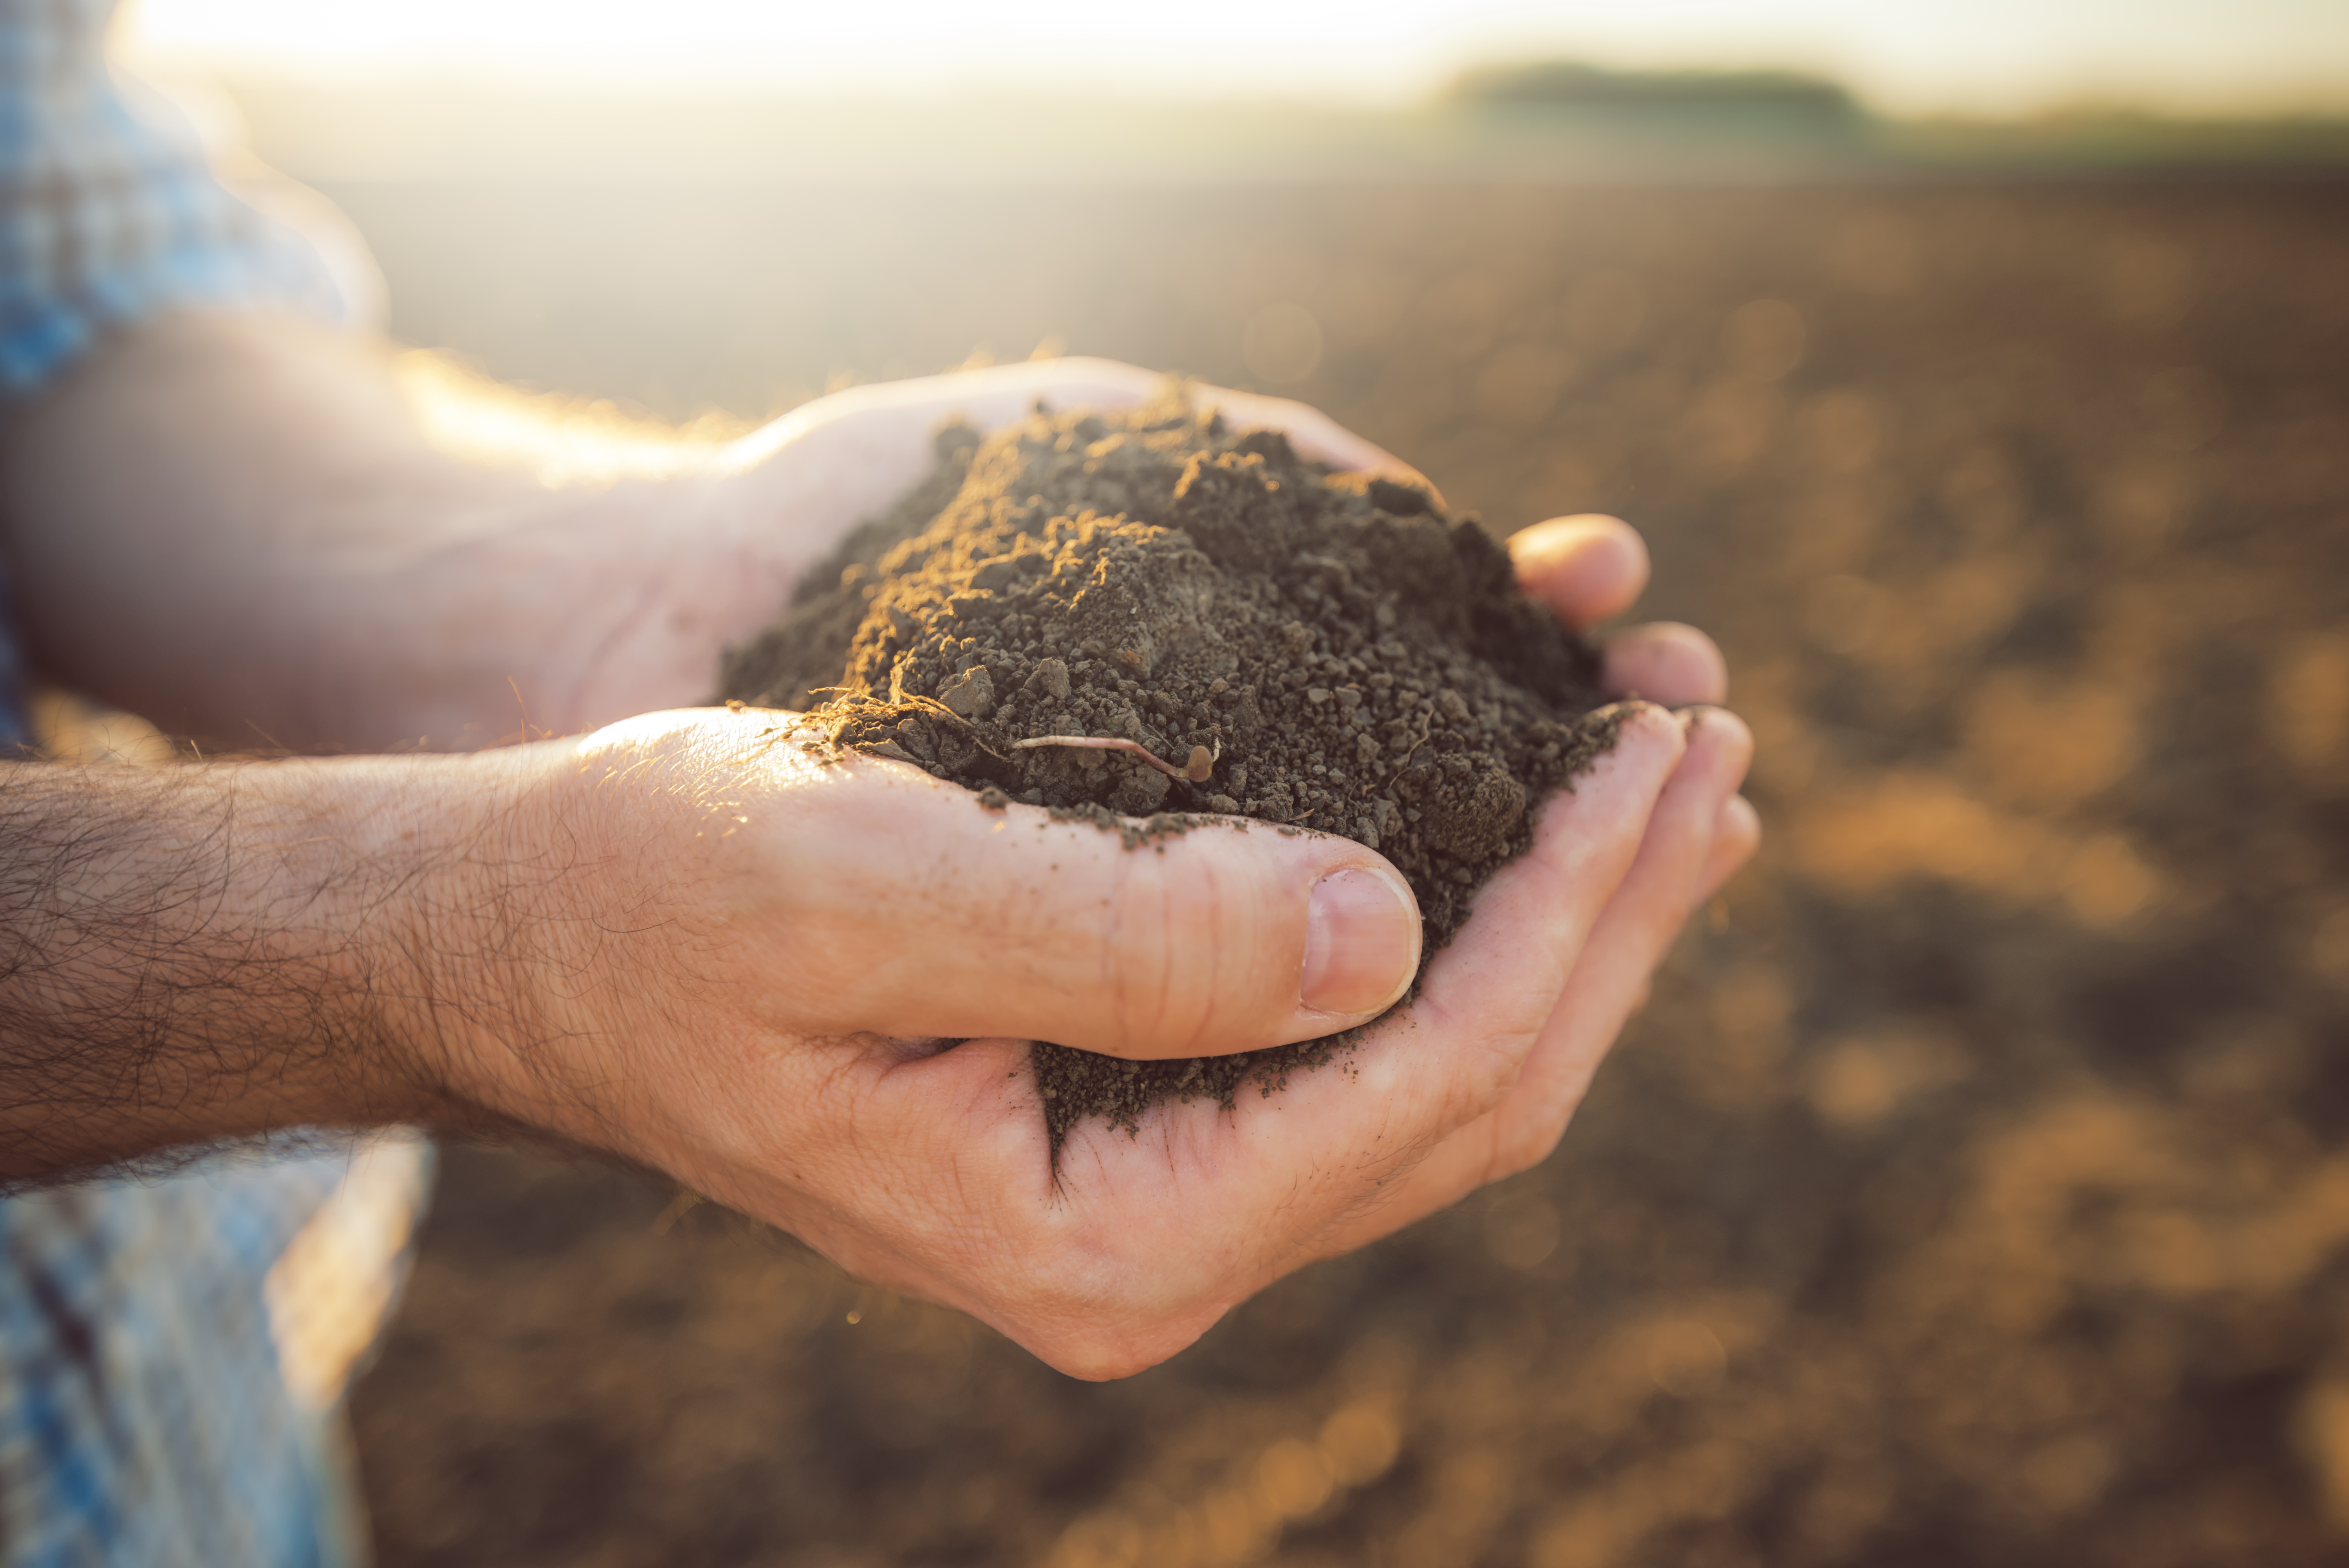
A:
682,939
743,995
773,1041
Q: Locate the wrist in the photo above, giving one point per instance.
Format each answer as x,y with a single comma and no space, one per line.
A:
444,907
508,978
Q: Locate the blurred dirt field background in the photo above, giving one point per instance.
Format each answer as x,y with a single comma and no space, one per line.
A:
1976,1188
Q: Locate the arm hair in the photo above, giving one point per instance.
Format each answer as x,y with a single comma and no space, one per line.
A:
211,951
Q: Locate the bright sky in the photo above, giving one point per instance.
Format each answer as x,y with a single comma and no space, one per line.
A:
1908,55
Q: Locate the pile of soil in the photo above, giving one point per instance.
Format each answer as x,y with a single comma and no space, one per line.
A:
1329,652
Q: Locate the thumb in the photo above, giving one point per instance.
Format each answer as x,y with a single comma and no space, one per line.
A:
1226,936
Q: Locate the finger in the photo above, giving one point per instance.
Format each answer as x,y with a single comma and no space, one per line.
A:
1308,1161
1587,569
1645,917
976,923
1665,661
1736,834
1501,976
985,398
1423,1071
1314,434
1610,975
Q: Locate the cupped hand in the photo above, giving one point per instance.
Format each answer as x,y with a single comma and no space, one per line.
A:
812,933
805,988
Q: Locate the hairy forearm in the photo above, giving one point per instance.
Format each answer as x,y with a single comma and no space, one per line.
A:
197,952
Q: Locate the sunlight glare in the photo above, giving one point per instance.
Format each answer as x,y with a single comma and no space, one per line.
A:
1917,55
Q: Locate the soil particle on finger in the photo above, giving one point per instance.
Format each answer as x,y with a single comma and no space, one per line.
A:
1331,650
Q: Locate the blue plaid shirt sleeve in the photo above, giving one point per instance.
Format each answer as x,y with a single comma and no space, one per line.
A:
110,211
172,1349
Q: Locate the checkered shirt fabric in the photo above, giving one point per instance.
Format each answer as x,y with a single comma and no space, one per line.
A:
147,1417
170,1380
110,211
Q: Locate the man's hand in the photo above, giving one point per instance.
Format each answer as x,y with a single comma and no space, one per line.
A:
759,955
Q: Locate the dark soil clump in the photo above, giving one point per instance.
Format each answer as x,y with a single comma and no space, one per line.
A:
1321,651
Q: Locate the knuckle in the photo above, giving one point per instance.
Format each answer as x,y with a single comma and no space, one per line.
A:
1177,957
1478,1085
1511,1158
1525,1152
1522,1142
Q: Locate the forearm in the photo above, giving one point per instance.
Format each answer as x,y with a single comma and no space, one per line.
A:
191,954
239,526
235,525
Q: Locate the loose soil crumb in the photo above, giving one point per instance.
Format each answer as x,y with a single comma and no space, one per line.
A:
1352,660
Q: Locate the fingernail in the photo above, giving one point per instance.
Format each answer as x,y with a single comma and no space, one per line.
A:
1361,941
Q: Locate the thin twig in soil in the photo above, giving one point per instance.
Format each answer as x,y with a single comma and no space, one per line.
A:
1426,729
1198,769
